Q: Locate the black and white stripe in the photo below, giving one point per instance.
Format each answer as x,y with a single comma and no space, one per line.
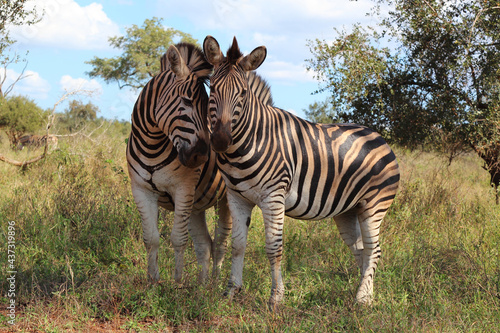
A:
288,166
171,164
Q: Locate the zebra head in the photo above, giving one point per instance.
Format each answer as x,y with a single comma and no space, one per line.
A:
228,88
182,109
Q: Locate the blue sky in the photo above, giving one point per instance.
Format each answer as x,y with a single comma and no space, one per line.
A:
74,31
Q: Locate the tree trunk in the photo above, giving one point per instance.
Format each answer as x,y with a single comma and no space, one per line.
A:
491,158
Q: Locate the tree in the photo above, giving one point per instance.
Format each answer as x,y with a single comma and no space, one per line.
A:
77,115
443,79
12,12
20,115
142,49
321,112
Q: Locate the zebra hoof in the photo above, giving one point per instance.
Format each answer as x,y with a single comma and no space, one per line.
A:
275,300
273,304
364,300
154,277
231,291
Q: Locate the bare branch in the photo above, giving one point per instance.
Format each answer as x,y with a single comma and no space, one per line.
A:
24,163
81,133
19,78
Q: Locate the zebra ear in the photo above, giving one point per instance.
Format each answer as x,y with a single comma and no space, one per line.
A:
212,51
177,64
252,61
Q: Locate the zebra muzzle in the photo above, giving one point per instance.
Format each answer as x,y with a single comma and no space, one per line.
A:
195,156
221,137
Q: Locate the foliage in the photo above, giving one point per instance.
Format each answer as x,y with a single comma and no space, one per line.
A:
443,79
348,65
320,112
20,115
142,48
77,115
12,12
81,261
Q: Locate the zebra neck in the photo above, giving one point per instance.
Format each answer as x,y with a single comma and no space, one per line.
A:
150,141
249,129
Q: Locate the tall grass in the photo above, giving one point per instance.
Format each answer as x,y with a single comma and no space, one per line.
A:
81,262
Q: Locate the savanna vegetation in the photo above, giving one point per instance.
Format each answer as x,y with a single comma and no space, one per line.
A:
80,260
426,77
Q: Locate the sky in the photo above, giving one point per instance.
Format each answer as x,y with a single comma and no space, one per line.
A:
75,31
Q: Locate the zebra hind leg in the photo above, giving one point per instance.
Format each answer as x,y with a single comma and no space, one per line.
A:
222,231
202,243
350,231
369,221
241,212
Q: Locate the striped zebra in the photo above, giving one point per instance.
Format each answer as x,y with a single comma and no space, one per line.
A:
171,164
36,141
288,166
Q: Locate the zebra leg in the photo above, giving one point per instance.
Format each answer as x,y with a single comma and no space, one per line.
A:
222,231
350,232
202,242
147,204
274,215
241,212
369,222
180,235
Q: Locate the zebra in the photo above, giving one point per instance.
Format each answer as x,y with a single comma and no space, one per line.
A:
171,164
286,165
36,141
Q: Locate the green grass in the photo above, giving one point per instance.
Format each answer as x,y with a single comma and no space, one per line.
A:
82,266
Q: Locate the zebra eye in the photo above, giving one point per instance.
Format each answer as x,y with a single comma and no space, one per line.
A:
187,101
243,93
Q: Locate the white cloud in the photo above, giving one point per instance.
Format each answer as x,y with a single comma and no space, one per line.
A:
31,85
66,24
266,39
70,84
283,26
263,15
285,72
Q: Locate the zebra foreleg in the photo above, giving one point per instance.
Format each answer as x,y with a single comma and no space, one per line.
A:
202,242
350,232
180,236
147,204
222,231
273,222
241,212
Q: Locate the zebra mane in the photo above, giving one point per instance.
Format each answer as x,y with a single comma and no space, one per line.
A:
193,57
234,53
260,88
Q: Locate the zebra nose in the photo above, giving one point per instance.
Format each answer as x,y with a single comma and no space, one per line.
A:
221,137
195,156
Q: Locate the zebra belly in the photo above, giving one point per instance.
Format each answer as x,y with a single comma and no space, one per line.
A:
307,206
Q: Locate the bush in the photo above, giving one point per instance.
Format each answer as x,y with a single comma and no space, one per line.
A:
19,115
